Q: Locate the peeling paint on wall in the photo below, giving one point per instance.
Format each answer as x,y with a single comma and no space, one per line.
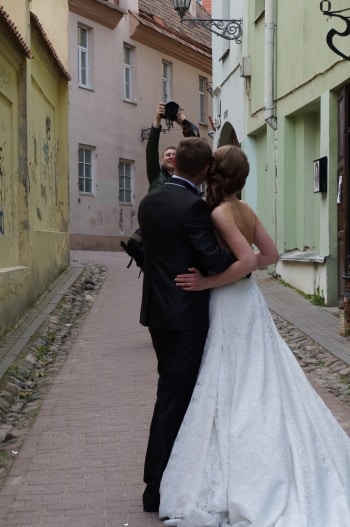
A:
1,163
43,192
5,80
2,200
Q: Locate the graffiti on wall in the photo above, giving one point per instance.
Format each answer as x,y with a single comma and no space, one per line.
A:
45,168
46,146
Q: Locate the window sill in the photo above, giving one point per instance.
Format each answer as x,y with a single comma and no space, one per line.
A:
302,256
88,88
130,101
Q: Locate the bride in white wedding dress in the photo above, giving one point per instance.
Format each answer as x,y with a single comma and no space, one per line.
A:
257,447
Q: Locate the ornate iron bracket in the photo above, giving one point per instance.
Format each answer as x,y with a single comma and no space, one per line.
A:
228,29
325,7
146,131
210,88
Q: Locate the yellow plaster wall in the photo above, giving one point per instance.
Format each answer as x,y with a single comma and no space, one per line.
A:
54,17
18,10
48,169
8,159
33,170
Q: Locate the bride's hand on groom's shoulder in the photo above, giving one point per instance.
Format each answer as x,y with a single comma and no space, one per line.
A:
191,281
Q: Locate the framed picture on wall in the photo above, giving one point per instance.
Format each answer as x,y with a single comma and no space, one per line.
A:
320,174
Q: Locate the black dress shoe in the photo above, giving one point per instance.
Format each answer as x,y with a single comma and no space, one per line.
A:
151,499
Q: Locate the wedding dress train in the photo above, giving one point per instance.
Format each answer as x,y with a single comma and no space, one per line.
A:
257,447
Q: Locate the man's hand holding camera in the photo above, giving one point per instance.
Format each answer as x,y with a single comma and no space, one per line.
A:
172,111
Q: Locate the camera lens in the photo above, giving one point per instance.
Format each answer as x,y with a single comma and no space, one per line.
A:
171,110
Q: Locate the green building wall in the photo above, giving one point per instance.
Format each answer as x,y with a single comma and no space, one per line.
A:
307,76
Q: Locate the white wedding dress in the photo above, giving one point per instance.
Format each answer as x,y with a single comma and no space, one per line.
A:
257,447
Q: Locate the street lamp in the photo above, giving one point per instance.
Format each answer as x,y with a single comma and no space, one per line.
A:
228,29
325,7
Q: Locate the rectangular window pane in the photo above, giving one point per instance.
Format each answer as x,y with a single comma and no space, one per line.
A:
82,37
88,171
202,99
125,182
127,74
83,56
127,53
85,169
127,83
165,70
88,185
166,81
165,92
88,156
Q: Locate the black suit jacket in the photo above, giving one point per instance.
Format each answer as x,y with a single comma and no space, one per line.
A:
177,234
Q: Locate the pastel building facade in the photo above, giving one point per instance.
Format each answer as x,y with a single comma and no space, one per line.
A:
126,57
285,93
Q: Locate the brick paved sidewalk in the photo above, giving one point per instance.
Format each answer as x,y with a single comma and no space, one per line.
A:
81,464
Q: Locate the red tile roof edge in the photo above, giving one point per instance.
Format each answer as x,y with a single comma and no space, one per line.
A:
36,23
5,17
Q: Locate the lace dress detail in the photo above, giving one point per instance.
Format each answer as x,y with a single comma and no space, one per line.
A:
257,447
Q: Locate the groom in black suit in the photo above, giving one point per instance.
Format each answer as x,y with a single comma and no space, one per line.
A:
177,234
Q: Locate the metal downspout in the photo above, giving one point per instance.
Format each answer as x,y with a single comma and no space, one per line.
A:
269,108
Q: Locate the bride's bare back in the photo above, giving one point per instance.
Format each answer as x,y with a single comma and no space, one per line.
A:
242,215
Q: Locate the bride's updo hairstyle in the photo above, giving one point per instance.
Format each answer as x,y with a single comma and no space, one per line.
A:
227,174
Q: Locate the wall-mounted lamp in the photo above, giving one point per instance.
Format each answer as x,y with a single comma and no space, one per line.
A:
325,7
228,29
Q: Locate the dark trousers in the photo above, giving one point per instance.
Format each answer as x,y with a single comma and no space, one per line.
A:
179,356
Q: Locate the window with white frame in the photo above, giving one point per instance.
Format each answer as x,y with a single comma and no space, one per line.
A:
128,54
86,165
166,81
202,95
125,181
84,56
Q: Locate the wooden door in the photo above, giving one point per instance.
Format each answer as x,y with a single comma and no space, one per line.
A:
343,190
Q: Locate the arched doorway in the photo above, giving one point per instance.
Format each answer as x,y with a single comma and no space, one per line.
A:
228,136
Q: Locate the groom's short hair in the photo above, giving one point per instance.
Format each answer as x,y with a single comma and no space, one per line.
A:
191,156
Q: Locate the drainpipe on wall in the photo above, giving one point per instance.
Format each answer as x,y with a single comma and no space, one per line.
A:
269,109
